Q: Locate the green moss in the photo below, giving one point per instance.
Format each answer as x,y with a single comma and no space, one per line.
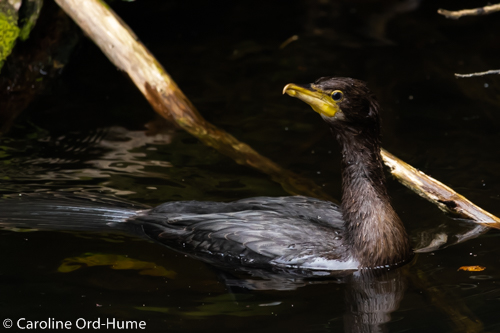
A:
32,10
9,32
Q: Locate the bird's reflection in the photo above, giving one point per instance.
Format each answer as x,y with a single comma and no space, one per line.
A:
371,296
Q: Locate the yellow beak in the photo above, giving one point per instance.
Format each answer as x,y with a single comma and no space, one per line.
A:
320,102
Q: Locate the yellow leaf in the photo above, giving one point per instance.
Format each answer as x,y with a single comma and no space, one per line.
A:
115,261
472,268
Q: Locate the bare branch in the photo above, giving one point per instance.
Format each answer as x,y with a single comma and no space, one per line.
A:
492,71
441,195
288,41
469,12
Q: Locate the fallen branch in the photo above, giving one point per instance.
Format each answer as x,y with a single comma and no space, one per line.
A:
492,71
469,12
441,195
122,47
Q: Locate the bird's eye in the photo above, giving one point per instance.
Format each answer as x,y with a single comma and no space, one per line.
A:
337,95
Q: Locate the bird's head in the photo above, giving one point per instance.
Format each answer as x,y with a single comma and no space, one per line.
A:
340,101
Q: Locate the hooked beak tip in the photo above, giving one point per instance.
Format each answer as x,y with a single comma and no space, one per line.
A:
287,90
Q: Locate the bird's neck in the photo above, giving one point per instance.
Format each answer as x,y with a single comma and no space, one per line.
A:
374,232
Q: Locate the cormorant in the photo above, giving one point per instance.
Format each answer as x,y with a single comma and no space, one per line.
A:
282,233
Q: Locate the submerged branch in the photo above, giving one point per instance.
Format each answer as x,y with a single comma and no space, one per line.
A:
122,47
492,71
469,12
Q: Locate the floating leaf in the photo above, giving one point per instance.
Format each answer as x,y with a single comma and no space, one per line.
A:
472,268
116,261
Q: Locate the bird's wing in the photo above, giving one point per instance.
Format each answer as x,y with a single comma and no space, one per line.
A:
288,231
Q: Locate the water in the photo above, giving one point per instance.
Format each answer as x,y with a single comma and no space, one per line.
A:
85,134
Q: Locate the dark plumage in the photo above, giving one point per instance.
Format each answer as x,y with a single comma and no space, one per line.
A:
273,233
370,221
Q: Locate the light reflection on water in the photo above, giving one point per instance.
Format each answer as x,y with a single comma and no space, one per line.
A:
94,157
121,151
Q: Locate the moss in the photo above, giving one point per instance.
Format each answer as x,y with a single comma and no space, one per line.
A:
32,12
9,32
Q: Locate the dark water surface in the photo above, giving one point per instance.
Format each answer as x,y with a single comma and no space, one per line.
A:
86,134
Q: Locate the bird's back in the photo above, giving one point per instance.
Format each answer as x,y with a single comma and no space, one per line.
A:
289,232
